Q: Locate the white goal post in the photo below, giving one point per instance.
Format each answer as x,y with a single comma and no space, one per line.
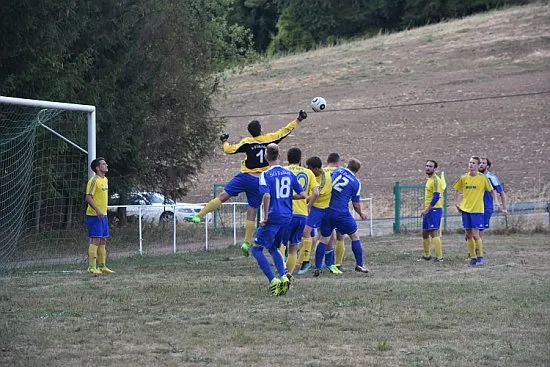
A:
91,110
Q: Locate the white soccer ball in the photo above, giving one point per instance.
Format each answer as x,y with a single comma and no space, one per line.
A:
318,104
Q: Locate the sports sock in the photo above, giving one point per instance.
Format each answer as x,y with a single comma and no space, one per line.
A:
307,242
479,247
437,246
263,263
426,244
278,261
101,256
291,262
340,250
249,228
329,257
471,248
210,207
300,254
319,254
92,255
357,251
282,251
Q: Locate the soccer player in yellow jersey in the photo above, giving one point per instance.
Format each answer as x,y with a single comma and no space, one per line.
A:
336,256
248,180
97,195
301,207
316,213
431,214
473,185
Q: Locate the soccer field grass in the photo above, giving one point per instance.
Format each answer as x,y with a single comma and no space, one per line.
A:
213,308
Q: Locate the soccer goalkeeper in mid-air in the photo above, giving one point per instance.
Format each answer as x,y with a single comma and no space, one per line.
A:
247,180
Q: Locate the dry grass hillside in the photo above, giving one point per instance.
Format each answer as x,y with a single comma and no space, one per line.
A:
497,53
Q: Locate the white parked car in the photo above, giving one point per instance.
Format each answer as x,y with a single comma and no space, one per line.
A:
155,207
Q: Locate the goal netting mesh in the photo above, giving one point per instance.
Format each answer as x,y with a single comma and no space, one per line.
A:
42,182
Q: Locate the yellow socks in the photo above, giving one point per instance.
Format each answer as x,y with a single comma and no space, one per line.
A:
437,246
210,207
249,228
426,244
339,252
101,256
479,247
307,243
92,255
471,248
291,262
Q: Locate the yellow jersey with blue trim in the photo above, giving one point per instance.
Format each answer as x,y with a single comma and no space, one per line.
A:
254,148
98,188
325,190
473,188
307,179
433,185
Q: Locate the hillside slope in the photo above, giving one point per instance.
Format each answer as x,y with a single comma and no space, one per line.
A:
497,53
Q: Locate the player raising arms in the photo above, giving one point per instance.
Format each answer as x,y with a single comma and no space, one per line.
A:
301,207
277,186
247,180
473,185
345,187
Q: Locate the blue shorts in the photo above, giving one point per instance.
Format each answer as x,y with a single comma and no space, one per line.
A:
472,220
295,230
487,219
97,227
247,183
315,217
342,221
432,220
271,236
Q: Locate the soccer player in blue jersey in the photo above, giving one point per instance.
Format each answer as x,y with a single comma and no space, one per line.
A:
247,180
473,186
432,212
301,208
336,256
345,187
279,187
489,205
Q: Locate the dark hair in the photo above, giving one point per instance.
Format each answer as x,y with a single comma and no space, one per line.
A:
475,157
95,163
333,158
272,152
354,165
254,128
294,155
434,162
488,161
314,162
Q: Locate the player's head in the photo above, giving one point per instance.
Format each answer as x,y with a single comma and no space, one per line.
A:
354,165
484,164
272,152
473,163
430,167
294,156
255,128
99,166
333,158
315,164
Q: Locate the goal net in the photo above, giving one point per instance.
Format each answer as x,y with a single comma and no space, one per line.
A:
44,170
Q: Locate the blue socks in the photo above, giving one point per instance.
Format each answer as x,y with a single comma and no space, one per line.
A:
357,251
320,254
329,258
263,263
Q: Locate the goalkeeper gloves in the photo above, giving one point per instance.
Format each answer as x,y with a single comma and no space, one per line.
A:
224,137
302,115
